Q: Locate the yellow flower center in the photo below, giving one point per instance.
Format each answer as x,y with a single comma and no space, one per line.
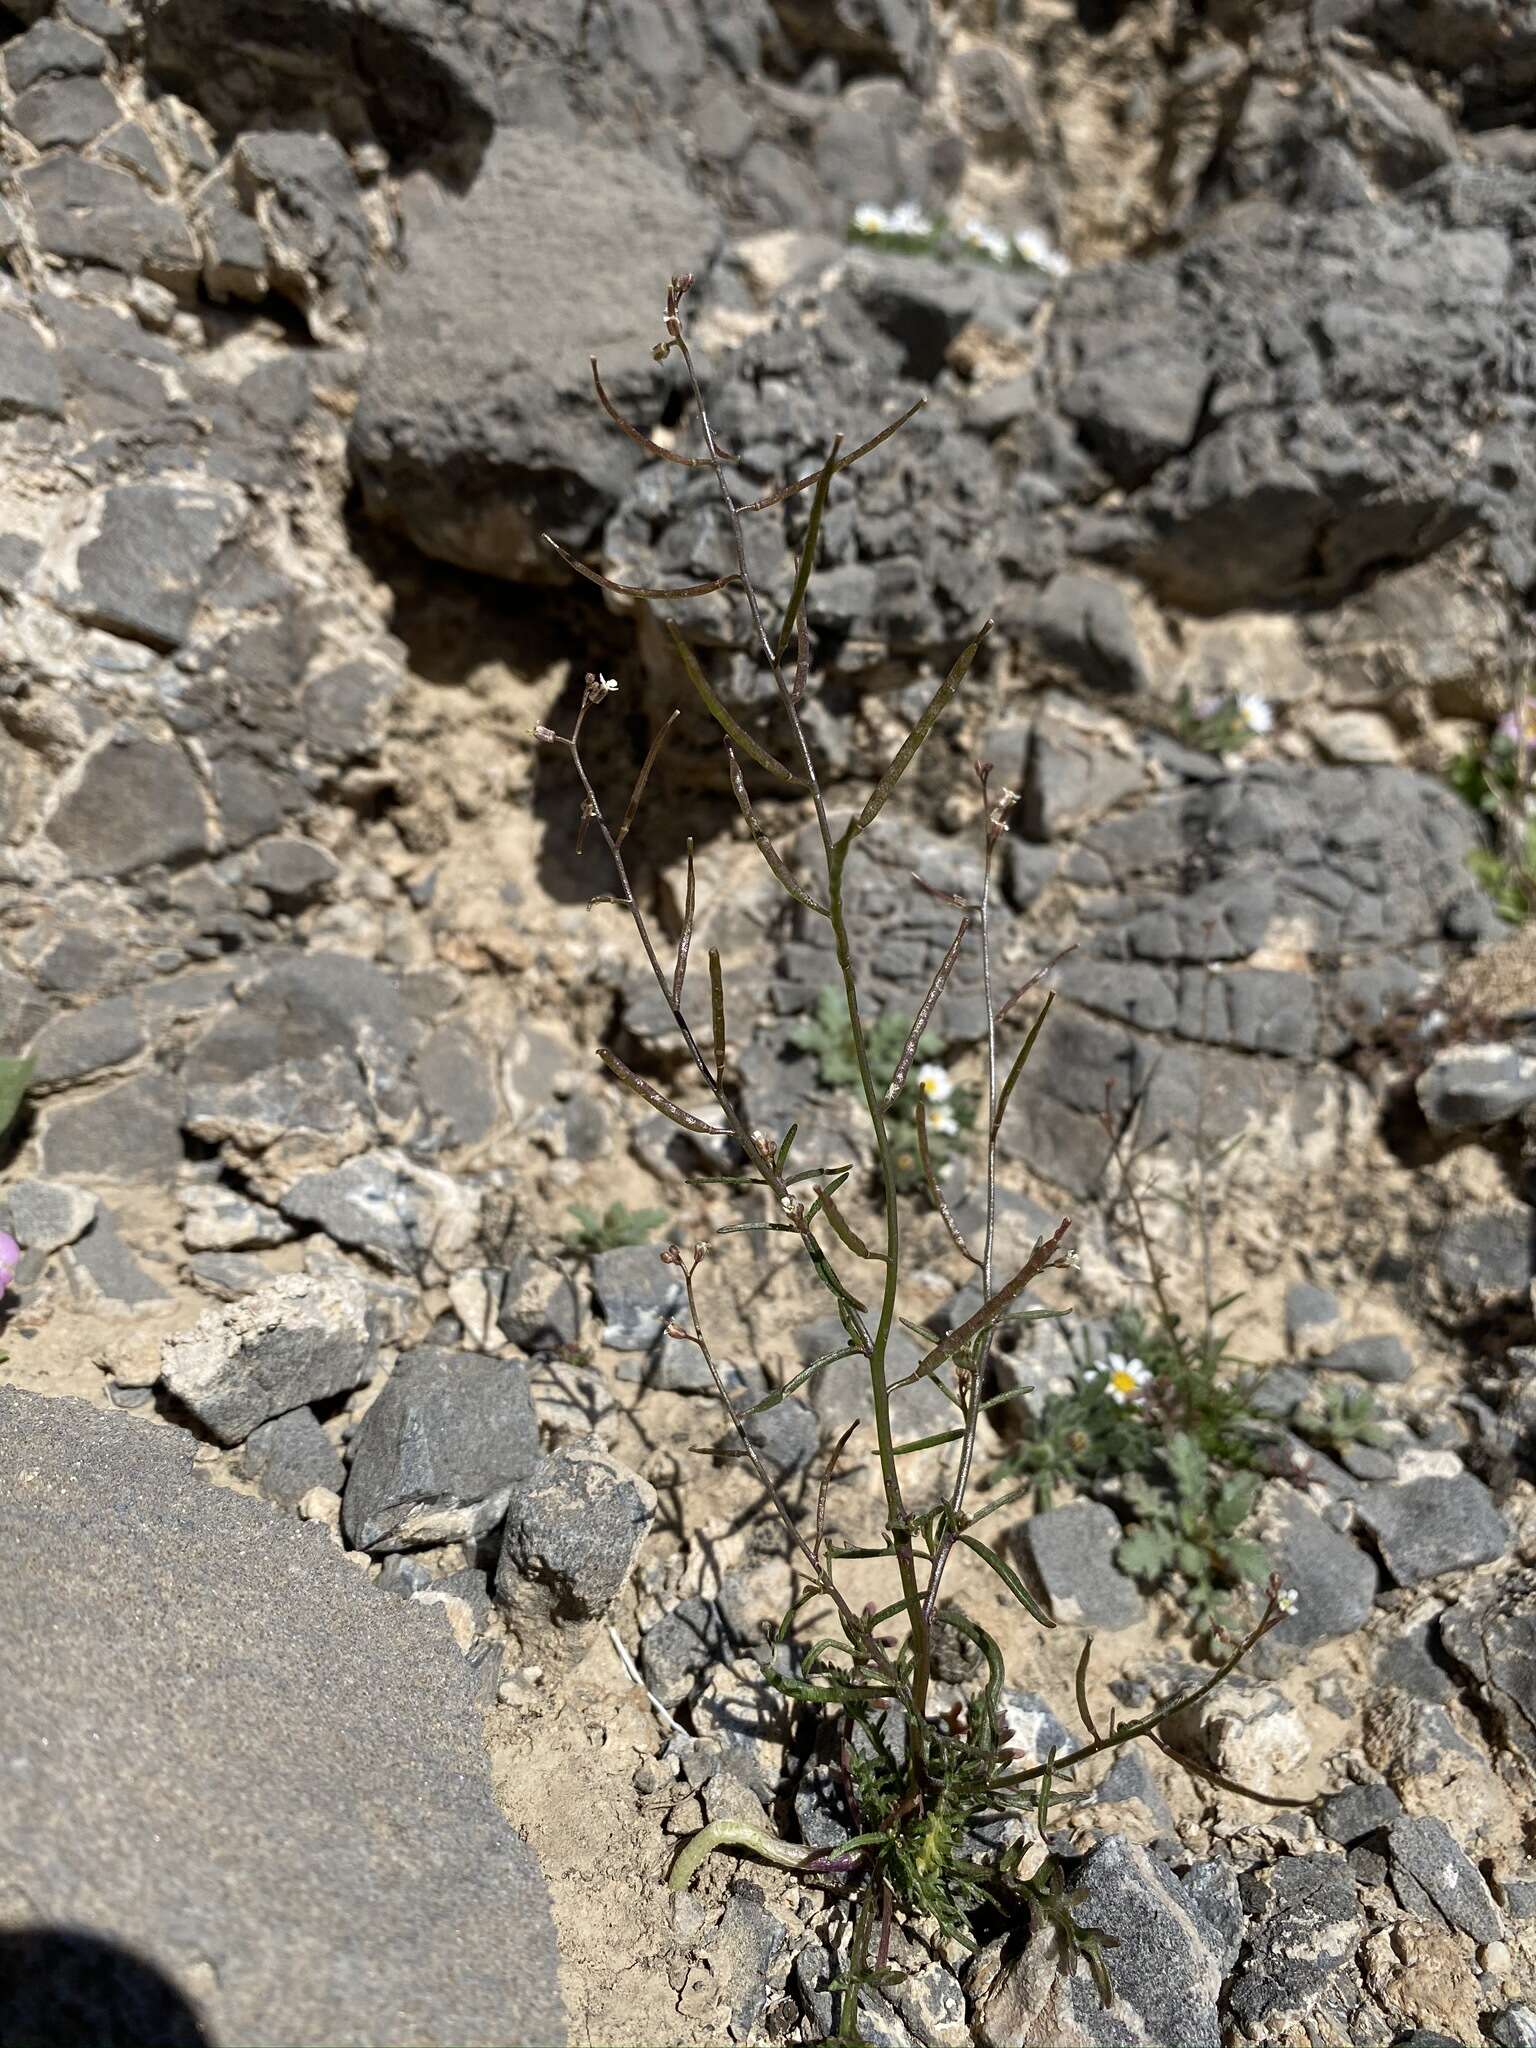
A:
1122,1382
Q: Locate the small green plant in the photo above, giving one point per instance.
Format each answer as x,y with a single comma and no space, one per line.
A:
1190,1528
1348,1415
864,1672
1499,781
1225,724
617,1226
949,1111
15,1079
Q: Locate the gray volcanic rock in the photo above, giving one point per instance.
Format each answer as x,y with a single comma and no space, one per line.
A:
293,1342
437,1455
308,1786
477,428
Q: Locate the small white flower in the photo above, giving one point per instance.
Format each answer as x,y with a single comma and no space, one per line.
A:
1288,1600
870,219
986,240
787,1204
1037,248
1125,1377
908,218
933,1082
1256,713
943,1123
607,684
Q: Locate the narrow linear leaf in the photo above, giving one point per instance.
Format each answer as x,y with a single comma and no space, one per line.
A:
793,1386
905,754
1009,1577
946,968
646,590
990,1310
644,777
648,1092
717,1011
731,727
765,845
926,1443
1080,1684
808,550
644,441
1021,1061
935,1192
843,1229
804,483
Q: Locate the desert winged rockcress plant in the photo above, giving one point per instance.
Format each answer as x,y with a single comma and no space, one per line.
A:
916,1781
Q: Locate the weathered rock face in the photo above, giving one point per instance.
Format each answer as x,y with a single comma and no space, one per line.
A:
476,429
296,301
290,1726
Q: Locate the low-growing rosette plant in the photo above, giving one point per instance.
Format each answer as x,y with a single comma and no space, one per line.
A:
918,1780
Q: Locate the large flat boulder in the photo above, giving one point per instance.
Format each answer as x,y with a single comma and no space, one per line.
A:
229,1755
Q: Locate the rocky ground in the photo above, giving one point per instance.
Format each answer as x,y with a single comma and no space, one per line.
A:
295,314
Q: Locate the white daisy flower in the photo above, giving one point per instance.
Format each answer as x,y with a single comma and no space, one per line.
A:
1037,248
933,1082
1256,713
986,240
943,1123
1125,1378
908,218
870,219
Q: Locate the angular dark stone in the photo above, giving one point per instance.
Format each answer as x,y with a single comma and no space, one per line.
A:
52,49
682,1647
1385,1361
151,558
1427,1526
1473,1087
67,111
288,1455
1487,1260
95,215
574,1529
137,803
299,1340
438,1453
109,1268
1304,1925
1085,622
29,373
1434,1878
131,1132
88,1041
1334,1580
1358,1811
460,418
636,1295
1072,1552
